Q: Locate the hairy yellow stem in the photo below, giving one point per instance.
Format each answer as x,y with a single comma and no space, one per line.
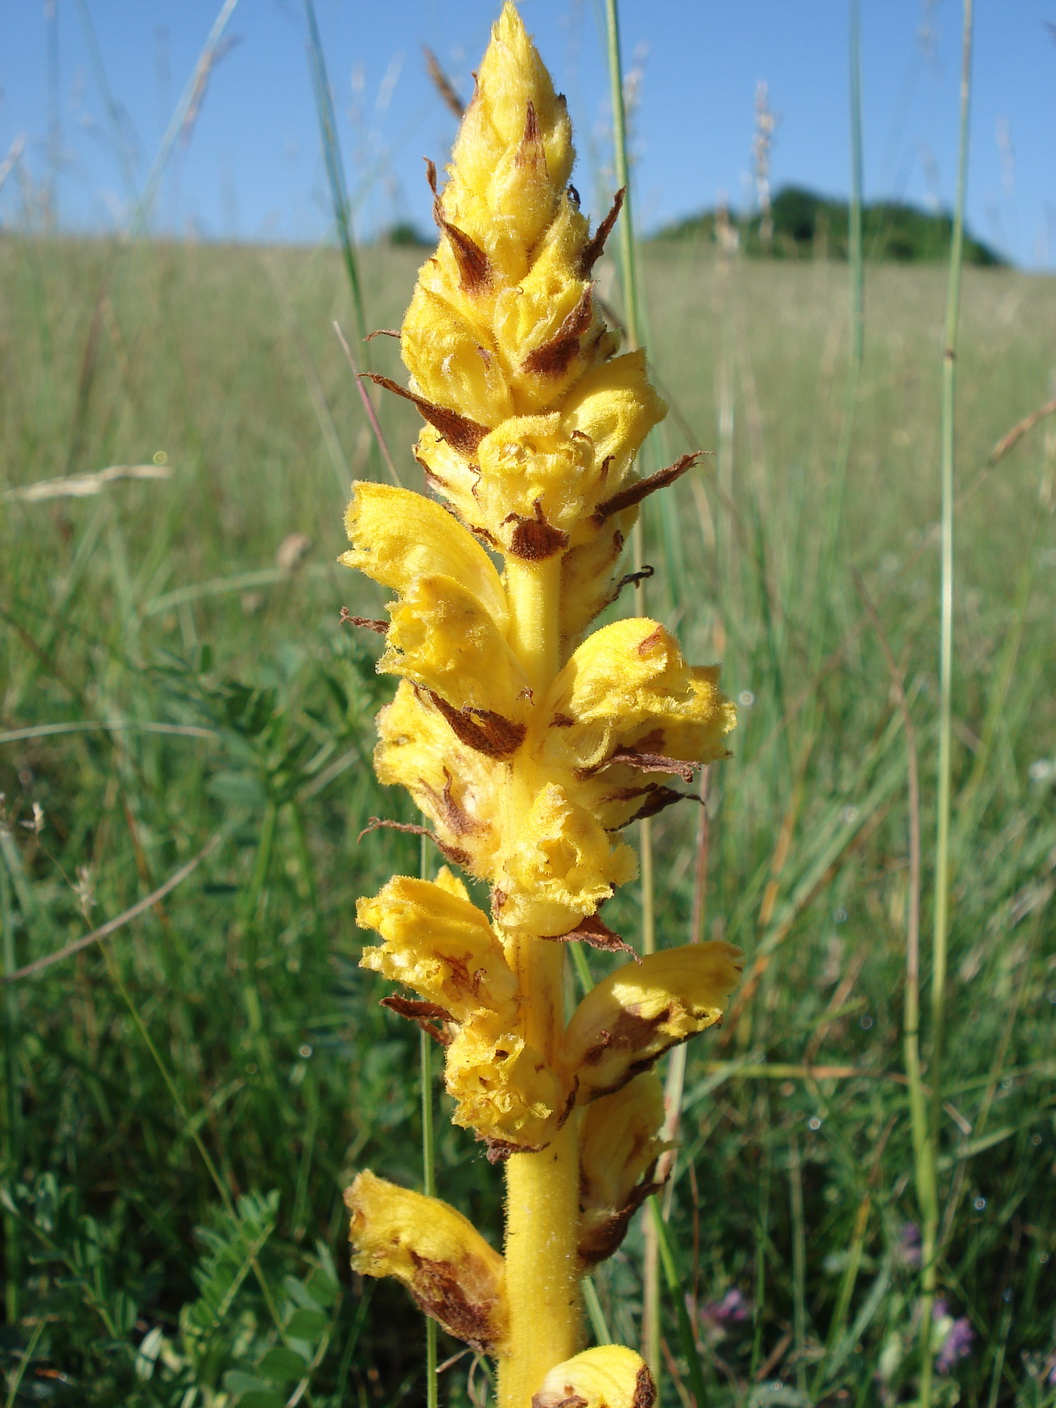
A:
542,1190
542,1279
533,590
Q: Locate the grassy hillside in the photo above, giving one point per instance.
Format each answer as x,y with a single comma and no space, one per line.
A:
804,225
187,1097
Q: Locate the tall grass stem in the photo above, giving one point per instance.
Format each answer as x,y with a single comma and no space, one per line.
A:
335,171
940,935
628,263
425,1061
856,267
11,1149
191,93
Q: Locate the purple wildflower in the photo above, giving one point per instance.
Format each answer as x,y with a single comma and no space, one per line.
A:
908,1249
726,1312
957,1340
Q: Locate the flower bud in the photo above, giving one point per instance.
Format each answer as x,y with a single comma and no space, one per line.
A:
609,1376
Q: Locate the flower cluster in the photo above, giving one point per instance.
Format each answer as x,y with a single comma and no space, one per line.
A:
529,745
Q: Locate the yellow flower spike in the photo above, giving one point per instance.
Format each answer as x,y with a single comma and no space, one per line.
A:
448,1267
439,944
643,1009
609,1376
526,753
508,169
619,1147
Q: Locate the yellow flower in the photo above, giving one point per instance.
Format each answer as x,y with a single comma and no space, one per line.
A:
450,781
643,1009
618,1149
560,866
453,1274
506,1091
397,536
441,945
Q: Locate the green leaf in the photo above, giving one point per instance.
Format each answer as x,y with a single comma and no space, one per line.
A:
150,1346
241,789
282,1365
237,1381
307,1324
322,1287
299,1293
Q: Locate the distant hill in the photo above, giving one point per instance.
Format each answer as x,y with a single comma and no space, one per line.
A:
808,226
405,235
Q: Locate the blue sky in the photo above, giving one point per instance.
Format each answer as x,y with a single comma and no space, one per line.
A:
252,167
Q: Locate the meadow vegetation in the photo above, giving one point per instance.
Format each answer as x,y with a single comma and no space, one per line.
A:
186,1098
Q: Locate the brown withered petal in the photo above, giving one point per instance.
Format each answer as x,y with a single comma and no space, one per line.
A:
534,540
367,623
592,250
531,152
590,930
657,799
482,729
426,1014
606,1235
631,579
454,817
451,853
499,1150
459,431
473,263
635,493
379,823
438,1291
553,357
654,762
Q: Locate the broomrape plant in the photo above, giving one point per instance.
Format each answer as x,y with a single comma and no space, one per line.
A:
530,746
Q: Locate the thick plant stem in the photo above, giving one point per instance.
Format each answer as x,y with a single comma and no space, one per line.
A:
542,1276
542,1190
533,590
